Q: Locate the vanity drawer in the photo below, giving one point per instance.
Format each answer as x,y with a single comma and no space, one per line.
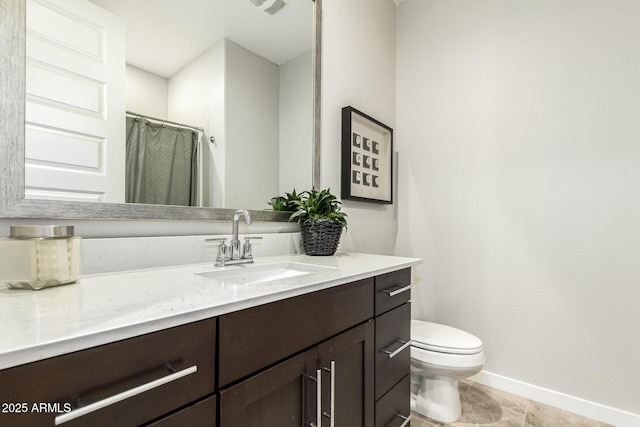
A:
257,337
393,352
394,408
201,414
180,361
392,290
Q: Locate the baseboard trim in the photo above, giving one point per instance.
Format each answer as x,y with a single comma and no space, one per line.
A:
563,401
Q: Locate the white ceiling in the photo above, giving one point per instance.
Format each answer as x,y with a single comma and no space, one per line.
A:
165,35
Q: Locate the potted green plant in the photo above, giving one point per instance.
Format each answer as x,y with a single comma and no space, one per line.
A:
321,221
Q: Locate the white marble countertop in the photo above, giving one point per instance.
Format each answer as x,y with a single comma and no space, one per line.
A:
109,307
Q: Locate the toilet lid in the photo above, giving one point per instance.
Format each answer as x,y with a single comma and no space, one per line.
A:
442,338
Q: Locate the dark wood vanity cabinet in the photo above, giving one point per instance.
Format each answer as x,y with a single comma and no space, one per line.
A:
322,346
393,352
392,410
337,354
392,290
393,333
199,414
347,345
257,337
347,364
331,380
275,397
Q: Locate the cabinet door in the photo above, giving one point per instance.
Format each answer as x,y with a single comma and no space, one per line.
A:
347,364
282,396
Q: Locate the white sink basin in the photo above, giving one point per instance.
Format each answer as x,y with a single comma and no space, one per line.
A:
260,273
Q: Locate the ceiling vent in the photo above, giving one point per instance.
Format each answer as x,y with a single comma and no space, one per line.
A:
269,6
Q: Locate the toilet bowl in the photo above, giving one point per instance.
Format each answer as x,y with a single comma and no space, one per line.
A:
440,356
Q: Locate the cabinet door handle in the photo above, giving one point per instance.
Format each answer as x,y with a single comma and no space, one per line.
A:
60,419
318,380
319,398
332,408
407,420
393,354
333,393
392,292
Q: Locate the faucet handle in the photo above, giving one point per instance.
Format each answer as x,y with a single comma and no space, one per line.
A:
223,250
217,239
246,249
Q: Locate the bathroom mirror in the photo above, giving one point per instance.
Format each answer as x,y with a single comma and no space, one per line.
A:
13,203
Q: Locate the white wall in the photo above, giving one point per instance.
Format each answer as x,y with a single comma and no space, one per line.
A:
358,69
296,123
236,96
147,93
252,117
520,179
196,97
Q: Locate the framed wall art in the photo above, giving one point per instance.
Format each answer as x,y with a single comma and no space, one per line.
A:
367,158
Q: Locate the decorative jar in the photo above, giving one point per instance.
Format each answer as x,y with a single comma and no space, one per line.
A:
40,256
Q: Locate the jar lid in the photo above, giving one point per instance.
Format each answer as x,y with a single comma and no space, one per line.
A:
41,231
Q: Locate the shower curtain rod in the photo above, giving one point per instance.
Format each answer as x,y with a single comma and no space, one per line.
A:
182,125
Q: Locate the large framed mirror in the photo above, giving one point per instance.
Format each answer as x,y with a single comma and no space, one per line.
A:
17,200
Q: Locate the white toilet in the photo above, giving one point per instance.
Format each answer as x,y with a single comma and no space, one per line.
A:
440,356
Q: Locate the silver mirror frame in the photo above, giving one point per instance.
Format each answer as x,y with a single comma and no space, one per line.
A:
12,144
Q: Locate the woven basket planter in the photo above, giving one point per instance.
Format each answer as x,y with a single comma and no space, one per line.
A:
321,237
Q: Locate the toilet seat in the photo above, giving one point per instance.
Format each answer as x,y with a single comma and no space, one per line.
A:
443,339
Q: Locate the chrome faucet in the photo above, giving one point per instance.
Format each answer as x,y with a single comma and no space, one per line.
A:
235,241
235,253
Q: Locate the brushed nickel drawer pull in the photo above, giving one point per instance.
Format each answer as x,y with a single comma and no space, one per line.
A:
392,292
393,354
407,420
63,418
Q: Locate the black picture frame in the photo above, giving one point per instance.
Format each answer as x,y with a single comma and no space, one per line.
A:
367,158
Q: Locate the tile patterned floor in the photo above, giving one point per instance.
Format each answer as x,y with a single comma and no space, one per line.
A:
484,406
